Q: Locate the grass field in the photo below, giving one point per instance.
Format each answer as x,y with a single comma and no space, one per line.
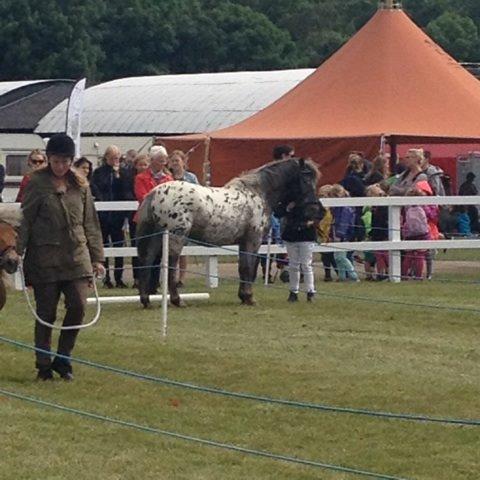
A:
339,351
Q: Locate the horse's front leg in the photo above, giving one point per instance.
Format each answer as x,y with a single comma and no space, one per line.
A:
247,269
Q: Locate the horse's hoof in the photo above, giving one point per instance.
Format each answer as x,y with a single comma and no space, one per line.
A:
145,301
249,302
178,302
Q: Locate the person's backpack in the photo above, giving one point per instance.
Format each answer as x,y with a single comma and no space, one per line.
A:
416,223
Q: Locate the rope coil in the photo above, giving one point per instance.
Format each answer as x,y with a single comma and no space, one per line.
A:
60,327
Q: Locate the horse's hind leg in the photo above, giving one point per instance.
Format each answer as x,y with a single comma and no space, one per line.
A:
146,264
172,283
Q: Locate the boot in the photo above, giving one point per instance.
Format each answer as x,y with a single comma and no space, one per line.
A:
63,368
44,373
310,296
292,297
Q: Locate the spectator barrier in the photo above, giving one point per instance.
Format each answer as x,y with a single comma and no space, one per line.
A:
394,245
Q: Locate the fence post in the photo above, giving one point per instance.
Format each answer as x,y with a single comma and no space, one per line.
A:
211,266
395,259
164,272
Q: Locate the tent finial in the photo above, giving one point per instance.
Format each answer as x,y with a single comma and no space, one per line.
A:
390,5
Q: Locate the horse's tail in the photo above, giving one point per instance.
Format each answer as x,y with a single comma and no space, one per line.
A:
145,241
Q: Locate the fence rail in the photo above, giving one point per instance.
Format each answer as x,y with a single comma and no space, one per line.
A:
394,245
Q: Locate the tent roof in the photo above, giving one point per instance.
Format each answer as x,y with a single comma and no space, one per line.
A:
24,103
173,104
390,79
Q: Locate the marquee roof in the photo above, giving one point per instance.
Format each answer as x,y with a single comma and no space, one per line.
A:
176,104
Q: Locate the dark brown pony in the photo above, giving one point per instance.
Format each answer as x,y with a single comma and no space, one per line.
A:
9,257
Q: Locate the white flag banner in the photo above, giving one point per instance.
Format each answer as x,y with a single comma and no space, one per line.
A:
74,114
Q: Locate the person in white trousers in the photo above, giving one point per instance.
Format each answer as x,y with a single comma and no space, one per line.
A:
299,235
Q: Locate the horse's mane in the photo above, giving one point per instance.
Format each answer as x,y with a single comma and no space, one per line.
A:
11,214
254,179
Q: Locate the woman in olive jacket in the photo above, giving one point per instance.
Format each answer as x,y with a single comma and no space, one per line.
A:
62,240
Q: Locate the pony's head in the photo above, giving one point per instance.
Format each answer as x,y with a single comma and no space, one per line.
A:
284,181
302,189
10,218
9,258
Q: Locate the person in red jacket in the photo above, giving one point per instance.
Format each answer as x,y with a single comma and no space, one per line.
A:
155,175
145,182
35,161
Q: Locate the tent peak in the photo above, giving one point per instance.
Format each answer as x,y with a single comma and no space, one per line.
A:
390,5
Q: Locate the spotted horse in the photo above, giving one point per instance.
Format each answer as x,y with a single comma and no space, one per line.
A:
238,213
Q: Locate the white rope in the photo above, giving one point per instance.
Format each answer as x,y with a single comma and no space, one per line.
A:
50,325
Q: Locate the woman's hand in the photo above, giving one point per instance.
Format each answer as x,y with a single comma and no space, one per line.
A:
99,270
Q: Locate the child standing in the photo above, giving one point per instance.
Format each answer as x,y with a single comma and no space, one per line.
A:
379,232
415,227
343,231
324,231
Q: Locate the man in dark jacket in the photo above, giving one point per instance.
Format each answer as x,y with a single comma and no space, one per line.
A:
108,184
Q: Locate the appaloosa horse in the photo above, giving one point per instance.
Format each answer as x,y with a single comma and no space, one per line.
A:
238,213
9,259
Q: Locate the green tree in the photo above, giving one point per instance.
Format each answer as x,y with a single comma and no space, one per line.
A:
138,38
49,39
457,34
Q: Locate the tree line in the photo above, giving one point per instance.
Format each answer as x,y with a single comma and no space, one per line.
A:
102,40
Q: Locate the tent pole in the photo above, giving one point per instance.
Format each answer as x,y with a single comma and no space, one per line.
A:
393,153
207,179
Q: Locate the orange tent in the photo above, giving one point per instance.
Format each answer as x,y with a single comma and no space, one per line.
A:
390,81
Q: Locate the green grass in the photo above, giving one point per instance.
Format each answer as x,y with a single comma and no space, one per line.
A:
336,351
459,255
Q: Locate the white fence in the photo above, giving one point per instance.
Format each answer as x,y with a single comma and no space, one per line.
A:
394,245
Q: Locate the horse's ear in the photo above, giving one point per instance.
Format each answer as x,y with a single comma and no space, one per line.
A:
301,162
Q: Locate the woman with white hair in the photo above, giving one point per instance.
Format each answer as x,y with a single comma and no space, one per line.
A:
156,174
413,163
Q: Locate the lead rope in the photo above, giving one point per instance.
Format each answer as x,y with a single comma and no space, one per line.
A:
49,325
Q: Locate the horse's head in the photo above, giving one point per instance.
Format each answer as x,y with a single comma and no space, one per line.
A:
304,184
9,258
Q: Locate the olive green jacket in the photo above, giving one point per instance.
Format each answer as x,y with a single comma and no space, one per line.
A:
60,232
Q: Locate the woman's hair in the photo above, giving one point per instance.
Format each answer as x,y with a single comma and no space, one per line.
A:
354,163
178,153
73,178
84,160
140,157
418,153
36,152
337,191
324,191
110,149
381,165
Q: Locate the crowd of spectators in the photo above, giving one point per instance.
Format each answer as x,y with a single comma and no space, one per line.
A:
414,176
132,175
